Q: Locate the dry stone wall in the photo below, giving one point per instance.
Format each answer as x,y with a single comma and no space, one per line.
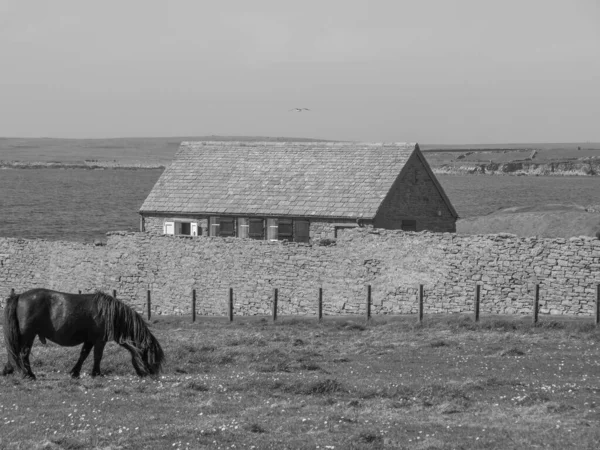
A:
393,262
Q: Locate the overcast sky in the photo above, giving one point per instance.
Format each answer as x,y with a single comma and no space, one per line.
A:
431,71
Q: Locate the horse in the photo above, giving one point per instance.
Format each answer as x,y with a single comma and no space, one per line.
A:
73,319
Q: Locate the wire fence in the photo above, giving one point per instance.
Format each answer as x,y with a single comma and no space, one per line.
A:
368,304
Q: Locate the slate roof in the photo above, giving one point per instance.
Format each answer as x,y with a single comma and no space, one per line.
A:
314,179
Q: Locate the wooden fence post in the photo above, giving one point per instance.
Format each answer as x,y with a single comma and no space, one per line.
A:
12,292
193,305
320,304
597,305
79,291
536,304
369,302
231,304
114,293
477,290
275,295
149,303
420,303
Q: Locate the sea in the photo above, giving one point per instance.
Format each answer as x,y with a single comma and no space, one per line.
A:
83,205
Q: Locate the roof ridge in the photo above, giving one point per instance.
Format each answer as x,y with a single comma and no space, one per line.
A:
297,144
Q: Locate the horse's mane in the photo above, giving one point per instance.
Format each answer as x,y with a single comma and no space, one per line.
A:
127,327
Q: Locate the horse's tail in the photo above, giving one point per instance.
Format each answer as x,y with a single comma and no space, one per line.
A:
12,338
127,328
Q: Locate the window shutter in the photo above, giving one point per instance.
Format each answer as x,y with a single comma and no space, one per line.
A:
285,229
257,228
194,229
226,226
169,228
301,231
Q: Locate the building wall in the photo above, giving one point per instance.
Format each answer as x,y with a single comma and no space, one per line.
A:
154,224
319,228
393,262
415,196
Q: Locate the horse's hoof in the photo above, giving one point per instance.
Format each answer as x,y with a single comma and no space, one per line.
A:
29,376
7,371
74,375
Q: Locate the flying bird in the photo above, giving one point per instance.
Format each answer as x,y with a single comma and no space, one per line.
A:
299,109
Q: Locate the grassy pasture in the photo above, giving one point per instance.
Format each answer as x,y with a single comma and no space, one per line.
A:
565,221
344,384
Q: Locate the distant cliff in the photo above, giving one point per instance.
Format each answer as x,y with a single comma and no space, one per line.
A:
589,167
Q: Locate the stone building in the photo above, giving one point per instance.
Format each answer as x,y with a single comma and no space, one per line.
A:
296,191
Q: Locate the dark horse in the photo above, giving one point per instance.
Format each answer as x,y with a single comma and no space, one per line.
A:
73,319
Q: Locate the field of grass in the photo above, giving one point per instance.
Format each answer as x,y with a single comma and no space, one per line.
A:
549,221
343,384
458,157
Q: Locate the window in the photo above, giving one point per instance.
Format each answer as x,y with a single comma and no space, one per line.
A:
285,230
185,228
301,230
181,228
221,226
273,229
227,226
256,229
409,225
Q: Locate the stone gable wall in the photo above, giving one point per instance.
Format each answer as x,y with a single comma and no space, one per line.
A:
393,262
415,196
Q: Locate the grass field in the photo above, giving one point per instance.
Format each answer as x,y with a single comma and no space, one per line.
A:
343,384
549,221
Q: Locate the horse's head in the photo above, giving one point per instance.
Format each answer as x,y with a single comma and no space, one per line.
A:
153,356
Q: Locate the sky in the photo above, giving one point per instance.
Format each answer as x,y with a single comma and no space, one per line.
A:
429,71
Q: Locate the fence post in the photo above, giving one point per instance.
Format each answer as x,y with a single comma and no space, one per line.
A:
275,295
536,303
420,303
79,291
598,305
477,290
320,304
231,304
193,305
12,292
369,302
149,303
114,293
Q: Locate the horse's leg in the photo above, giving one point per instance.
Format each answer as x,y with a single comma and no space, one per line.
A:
25,351
8,369
85,351
98,351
